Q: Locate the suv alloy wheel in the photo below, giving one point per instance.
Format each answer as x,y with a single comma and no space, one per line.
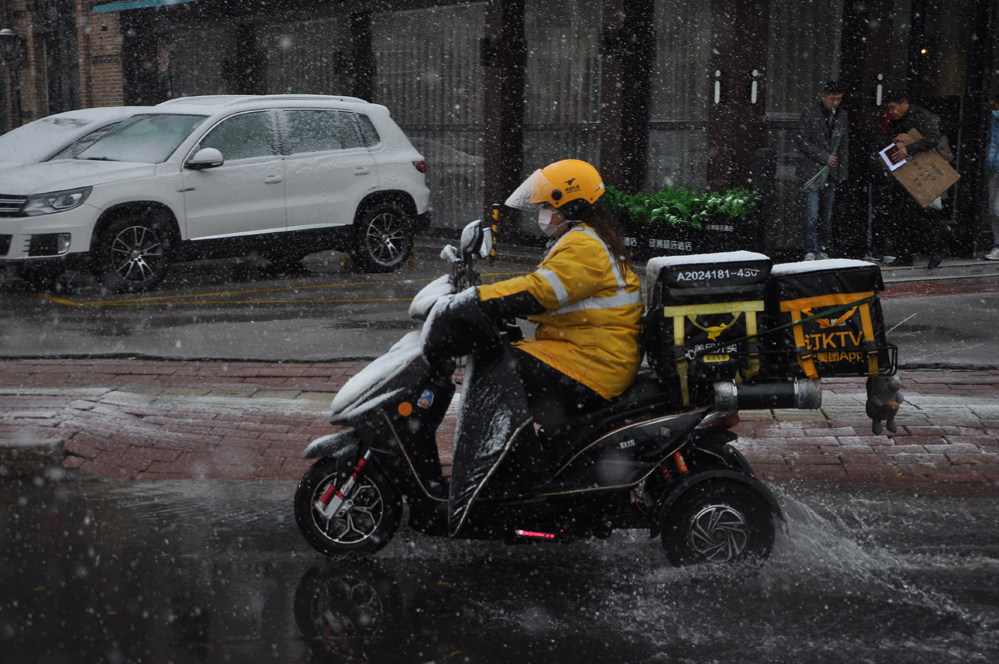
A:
384,238
133,253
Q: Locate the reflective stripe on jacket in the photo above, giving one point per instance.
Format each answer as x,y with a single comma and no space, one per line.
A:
590,327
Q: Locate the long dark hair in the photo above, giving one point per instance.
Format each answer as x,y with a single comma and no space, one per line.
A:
607,228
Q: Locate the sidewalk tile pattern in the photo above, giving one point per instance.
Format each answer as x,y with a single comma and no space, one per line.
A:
142,420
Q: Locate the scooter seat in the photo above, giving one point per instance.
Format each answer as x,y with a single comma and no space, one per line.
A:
647,393
647,390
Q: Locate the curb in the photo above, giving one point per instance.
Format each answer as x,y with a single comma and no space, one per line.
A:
30,457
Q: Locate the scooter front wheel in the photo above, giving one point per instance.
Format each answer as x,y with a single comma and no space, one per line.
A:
368,525
718,522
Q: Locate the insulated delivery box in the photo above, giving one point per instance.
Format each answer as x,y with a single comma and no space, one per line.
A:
827,320
703,313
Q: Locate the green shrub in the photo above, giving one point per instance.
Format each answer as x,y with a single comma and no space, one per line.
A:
679,206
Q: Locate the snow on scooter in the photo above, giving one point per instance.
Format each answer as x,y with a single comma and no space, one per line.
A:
641,462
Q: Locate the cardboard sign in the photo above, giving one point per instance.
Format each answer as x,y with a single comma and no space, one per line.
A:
925,176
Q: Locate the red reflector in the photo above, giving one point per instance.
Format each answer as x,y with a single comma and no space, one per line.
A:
420,165
528,533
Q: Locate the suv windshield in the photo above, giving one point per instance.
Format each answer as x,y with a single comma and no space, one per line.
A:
37,140
147,139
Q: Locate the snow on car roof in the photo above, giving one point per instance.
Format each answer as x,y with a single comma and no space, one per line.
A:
215,103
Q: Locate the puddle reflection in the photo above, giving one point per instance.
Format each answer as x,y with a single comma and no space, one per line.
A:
216,571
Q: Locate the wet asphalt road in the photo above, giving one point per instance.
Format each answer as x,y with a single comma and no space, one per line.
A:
233,309
325,310
216,571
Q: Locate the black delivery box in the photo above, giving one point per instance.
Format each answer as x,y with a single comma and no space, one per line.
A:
712,303
850,341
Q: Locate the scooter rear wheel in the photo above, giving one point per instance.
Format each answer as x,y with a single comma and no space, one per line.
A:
366,528
718,522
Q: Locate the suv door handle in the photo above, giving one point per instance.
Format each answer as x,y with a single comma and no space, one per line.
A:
272,179
362,170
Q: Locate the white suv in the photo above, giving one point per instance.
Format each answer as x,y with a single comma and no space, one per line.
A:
284,175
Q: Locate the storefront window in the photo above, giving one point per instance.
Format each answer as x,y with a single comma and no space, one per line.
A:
945,48
562,81
193,63
803,53
680,96
303,57
427,73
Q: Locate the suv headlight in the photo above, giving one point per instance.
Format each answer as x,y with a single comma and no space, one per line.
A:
55,201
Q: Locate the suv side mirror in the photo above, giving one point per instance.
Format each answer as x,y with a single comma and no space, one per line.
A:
476,239
205,158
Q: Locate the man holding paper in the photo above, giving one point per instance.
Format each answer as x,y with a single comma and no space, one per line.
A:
907,219
823,143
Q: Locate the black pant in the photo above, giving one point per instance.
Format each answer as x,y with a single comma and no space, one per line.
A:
910,226
881,214
555,400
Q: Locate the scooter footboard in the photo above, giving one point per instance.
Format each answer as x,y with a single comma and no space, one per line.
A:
676,491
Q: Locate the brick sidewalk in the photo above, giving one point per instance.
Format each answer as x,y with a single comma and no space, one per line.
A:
136,419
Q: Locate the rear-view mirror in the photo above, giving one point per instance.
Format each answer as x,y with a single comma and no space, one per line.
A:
205,158
476,239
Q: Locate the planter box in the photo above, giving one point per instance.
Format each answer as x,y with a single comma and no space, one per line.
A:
721,234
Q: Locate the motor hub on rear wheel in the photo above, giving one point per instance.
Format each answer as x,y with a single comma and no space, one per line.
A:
718,533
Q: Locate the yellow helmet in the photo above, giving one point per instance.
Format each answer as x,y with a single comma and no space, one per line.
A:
572,186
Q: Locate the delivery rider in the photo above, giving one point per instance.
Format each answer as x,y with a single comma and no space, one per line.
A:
584,296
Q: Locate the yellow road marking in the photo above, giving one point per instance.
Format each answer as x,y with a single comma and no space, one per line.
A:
59,300
253,290
168,304
196,297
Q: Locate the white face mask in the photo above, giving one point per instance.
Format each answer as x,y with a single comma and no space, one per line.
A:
550,221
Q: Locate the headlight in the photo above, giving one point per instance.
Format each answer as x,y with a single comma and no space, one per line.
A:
55,201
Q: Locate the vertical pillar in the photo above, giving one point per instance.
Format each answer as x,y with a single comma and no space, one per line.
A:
6,116
4,127
141,85
740,30
503,55
246,74
359,69
86,72
976,235
38,90
627,45
865,65
914,67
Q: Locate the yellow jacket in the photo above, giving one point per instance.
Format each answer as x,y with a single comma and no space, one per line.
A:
590,328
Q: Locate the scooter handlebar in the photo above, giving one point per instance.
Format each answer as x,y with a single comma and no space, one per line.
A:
450,254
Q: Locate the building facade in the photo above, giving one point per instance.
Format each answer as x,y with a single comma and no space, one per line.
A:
654,92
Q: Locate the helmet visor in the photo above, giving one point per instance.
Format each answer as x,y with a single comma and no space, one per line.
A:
532,192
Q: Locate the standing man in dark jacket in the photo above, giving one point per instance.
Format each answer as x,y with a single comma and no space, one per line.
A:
908,219
823,142
992,164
